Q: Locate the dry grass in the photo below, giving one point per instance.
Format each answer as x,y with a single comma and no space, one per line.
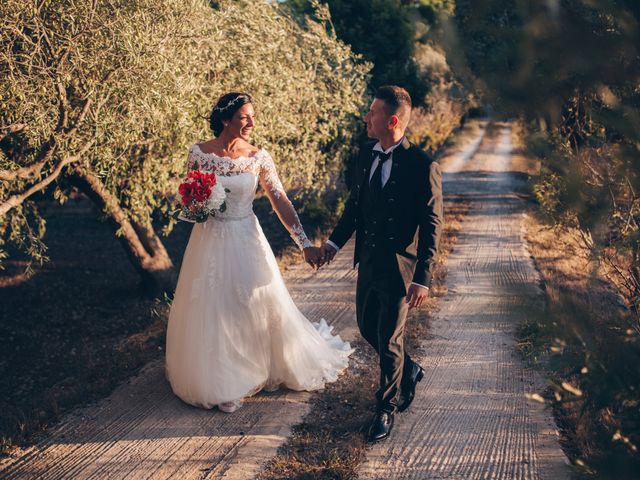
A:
585,344
330,442
586,341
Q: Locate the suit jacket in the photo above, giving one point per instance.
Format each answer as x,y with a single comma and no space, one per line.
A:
412,207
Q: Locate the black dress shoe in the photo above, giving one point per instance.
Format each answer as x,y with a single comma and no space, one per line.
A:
380,427
408,391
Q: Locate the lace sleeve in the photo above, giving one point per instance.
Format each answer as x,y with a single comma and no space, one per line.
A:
269,176
281,204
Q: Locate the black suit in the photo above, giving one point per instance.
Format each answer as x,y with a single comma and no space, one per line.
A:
397,233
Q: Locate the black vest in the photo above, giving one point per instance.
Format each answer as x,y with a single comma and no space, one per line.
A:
375,252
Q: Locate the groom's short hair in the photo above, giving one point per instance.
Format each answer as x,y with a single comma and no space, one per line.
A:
397,101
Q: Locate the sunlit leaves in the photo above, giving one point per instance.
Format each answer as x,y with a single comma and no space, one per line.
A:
147,73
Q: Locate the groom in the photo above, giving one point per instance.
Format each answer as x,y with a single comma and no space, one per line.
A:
395,208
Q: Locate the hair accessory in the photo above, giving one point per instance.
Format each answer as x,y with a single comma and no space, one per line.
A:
228,105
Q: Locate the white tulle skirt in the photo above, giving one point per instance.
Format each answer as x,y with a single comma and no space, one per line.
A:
233,327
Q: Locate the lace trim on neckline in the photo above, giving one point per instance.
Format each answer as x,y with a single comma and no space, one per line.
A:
225,157
224,165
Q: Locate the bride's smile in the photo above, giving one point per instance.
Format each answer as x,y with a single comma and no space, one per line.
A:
241,125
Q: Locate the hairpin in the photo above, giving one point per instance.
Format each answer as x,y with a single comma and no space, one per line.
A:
222,109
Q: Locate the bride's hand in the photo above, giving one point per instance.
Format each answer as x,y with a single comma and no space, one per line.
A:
313,257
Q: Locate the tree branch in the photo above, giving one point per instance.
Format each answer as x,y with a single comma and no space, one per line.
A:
23,173
80,119
63,121
17,199
142,245
93,187
32,171
9,129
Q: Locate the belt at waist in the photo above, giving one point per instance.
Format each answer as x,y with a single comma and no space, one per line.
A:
229,218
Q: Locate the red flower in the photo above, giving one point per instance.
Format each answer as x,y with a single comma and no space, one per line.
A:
203,178
186,192
197,186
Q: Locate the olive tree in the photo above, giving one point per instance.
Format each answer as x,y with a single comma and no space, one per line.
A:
104,98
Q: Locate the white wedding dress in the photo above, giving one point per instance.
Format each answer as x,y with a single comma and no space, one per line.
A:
233,327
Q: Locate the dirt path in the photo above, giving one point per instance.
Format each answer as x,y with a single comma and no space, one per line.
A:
471,419
142,431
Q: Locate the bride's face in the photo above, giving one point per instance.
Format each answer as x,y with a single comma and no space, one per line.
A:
241,125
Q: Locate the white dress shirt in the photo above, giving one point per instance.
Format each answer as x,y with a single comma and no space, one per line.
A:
386,173
386,166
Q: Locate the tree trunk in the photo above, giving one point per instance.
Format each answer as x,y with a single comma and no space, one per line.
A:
141,243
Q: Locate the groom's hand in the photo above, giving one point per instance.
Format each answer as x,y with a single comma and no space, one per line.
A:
327,252
416,295
313,256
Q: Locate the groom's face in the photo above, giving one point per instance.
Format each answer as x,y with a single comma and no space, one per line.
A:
377,119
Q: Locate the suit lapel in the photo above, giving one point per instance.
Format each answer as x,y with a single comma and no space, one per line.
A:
366,171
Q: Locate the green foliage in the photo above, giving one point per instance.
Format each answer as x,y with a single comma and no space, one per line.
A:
548,191
404,40
572,68
430,10
383,32
432,124
309,89
125,86
538,55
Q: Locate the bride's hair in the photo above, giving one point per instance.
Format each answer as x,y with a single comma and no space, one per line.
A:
224,109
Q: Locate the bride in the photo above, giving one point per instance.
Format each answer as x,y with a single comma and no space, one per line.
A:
233,327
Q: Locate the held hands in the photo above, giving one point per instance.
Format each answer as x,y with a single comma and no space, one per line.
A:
313,257
416,295
328,252
318,256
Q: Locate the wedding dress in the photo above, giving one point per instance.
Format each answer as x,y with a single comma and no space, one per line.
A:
233,327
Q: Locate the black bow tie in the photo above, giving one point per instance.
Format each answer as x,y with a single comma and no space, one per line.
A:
381,155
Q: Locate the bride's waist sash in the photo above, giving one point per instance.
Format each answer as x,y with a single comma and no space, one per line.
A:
231,218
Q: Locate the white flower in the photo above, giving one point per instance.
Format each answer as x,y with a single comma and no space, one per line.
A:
217,197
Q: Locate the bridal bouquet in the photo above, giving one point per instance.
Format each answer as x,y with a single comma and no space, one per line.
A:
201,195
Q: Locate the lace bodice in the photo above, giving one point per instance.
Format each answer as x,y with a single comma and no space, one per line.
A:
240,176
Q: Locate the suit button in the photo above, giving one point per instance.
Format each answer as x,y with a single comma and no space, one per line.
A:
391,238
373,245
366,231
390,219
